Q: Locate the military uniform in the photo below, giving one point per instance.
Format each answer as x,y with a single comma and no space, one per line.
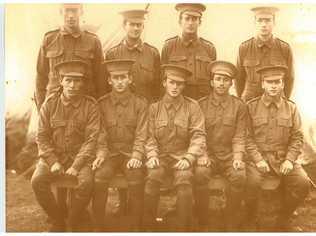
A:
67,133
254,54
124,120
275,135
225,122
192,53
60,45
146,71
146,74
176,131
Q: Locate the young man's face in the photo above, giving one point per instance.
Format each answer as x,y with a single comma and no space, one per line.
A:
72,86
173,88
71,17
189,24
120,82
264,24
133,29
273,87
221,84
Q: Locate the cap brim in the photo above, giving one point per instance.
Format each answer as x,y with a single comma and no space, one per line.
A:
135,20
175,78
73,74
224,73
192,13
118,72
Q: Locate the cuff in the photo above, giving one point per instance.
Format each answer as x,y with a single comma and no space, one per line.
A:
151,154
238,156
292,156
51,159
137,155
257,157
191,158
78,163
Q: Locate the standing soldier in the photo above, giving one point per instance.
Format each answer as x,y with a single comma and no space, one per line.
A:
225,118
275,140
146,71
176,139
262,50
69,43
190,51
124,116
68,130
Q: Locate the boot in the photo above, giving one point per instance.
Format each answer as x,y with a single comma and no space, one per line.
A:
150,212
99,201
232,211
250,221
121,209
201,207
184,208
136,201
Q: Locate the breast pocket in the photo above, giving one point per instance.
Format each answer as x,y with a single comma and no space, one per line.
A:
178,60
284,127
260,127
250,66
202,63
229,124
160,128
130,125
84,55
146,73
111,128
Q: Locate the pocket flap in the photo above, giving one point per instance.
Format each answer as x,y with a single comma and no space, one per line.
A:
181,123
250,62
177,58
54,53
84,54
161,123
203,58
57,123
260,121
229,121
285,122
146,67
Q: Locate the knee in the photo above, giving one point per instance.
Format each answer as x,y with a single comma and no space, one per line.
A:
238,180
38,182
183,177
152,187
202,175
155,174
184,190
135,176
302,186
103,175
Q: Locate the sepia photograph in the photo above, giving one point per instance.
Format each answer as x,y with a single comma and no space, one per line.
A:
160,117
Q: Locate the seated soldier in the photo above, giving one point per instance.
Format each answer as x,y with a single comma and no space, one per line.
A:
176,138
121,143
68,129
225,121
274,143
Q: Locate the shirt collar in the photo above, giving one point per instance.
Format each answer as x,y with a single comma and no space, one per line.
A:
138,46
261,43
267,101
66,102
219,102
176,103
76,34
187,41
122,99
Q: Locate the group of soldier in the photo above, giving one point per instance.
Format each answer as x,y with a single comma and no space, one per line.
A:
148,117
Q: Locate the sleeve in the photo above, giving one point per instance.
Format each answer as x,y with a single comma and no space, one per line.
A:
151,146
296,137
251,147
197,145
241,77
41,80
98,70
88,148
102,143
158,89
46,149
164,54
213,53
239,139
141,132
288,86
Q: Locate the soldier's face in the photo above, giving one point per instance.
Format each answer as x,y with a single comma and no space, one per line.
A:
264,24
134,29
173,88
120,82
71,17
274,86
189,24
221,84
72,86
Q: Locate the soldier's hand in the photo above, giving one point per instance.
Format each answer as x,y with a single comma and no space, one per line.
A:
97,163
72,171
57,168
238,164
204,161
133,163
152,163
182,164
263,166
286,167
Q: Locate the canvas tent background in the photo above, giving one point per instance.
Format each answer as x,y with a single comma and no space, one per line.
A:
226,25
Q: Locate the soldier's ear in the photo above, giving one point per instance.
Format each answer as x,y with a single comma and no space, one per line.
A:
164,82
